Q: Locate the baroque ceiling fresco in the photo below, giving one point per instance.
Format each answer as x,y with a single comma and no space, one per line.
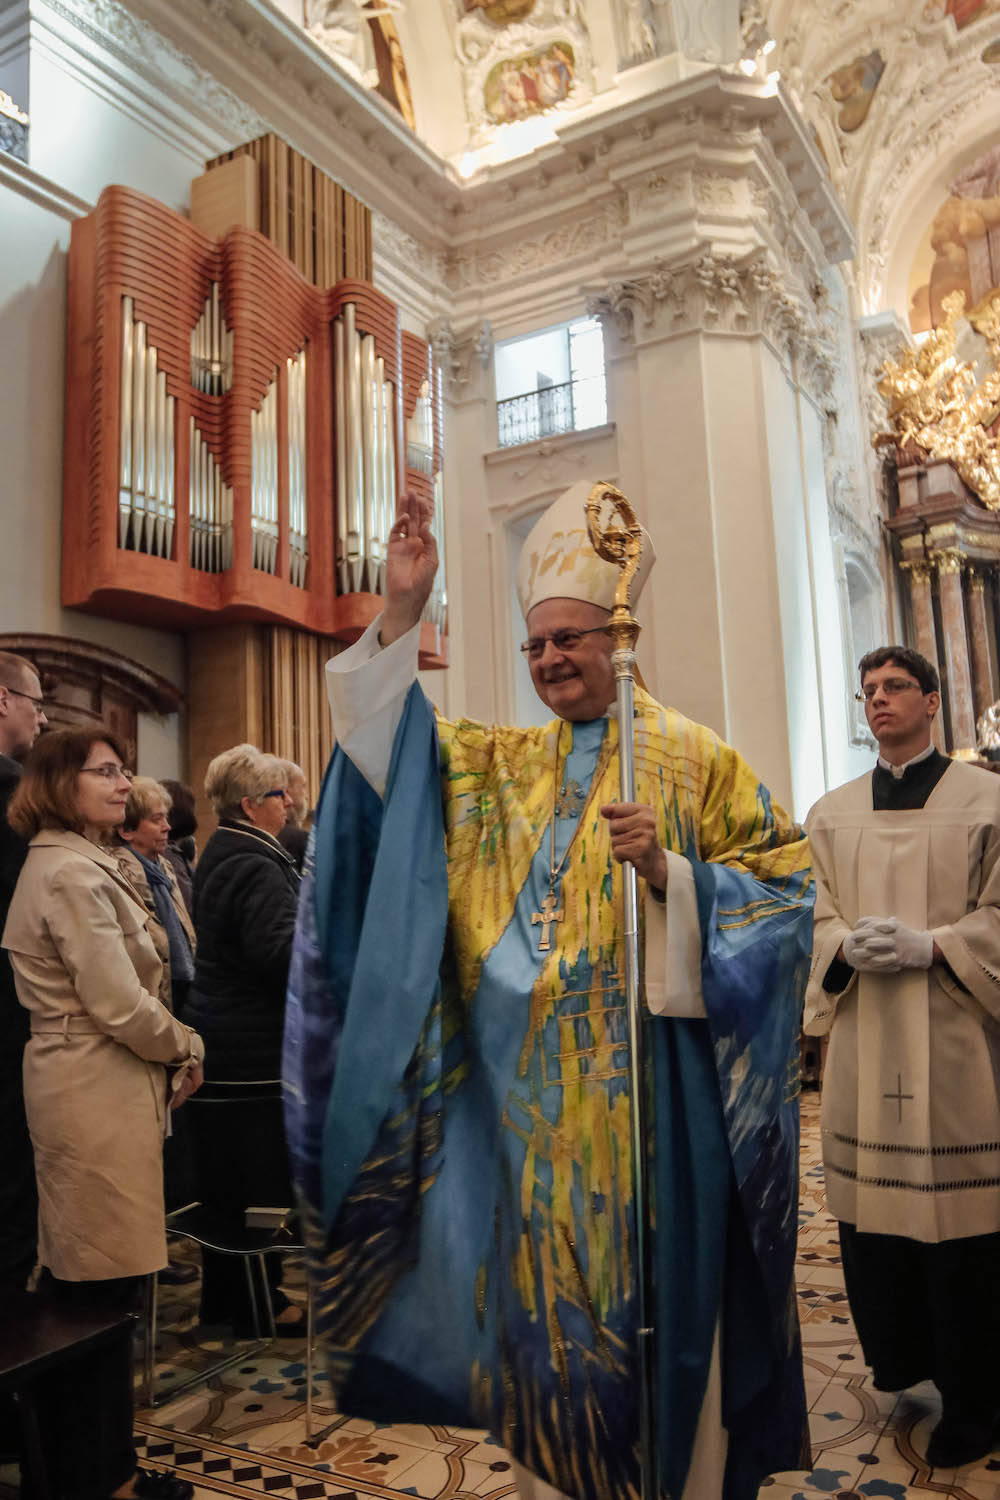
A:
903,101
899,96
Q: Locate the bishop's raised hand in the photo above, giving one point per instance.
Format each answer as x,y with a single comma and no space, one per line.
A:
411,563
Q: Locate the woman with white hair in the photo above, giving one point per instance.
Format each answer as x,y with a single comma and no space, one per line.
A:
245,894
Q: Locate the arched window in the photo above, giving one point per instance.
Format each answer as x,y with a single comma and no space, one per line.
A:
864,620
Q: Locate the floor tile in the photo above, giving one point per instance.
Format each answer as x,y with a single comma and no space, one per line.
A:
867,1443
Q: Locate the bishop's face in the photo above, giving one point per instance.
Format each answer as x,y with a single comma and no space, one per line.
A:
577,682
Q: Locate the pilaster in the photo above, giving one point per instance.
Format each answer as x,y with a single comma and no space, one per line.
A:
981,642
464,356
720,370
956,649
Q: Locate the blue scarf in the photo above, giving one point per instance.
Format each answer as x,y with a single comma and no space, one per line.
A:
181,958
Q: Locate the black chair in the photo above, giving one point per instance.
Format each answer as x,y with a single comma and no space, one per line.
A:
216,1230
36,1336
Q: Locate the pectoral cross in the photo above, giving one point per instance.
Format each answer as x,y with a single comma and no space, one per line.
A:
546,917
570,800
898,1096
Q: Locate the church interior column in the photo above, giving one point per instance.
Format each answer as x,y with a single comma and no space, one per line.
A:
922,602
979,642
464,355
923,609
721,418
956,650
719,377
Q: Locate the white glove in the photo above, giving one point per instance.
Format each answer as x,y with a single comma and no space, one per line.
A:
885,945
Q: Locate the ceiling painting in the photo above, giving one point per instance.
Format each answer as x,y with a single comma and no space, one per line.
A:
853,88
514,70
393,81
962,11
960,251
500,12
521,86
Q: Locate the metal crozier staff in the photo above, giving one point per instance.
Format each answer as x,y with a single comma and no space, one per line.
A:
622,545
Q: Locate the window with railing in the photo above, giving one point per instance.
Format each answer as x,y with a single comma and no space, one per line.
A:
551,382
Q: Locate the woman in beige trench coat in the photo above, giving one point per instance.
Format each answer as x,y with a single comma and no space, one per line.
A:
105,1063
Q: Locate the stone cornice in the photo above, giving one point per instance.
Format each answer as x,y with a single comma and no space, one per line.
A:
715,161
20,179
712,112
250,52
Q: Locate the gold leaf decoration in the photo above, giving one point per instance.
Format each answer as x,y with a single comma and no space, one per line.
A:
935,403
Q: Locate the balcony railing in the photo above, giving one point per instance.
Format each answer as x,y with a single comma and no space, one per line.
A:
569,407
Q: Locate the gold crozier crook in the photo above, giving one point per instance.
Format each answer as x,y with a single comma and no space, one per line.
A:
620,542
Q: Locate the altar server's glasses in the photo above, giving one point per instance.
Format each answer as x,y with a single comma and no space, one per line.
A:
890,688
563,640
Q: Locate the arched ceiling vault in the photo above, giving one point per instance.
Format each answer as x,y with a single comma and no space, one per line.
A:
934,107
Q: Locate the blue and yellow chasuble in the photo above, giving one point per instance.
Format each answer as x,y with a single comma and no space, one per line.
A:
457,1099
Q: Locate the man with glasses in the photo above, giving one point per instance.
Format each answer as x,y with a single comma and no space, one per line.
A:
906,983
22,718
480,1266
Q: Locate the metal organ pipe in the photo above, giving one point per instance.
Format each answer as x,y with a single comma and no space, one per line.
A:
298,541
365,471
264,481
340,442
355,460
146,444
370,464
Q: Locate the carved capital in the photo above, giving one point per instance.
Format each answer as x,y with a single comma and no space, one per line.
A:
920,571
720,294
952,560
463,357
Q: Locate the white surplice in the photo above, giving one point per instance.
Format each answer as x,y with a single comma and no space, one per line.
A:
910,1108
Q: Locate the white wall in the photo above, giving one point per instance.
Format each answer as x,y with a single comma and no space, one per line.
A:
794,453
32,338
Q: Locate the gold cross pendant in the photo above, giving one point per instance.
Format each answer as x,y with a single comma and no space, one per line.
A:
546,917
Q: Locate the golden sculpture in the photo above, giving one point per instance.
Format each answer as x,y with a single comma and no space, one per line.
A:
10,110
619,544
935,403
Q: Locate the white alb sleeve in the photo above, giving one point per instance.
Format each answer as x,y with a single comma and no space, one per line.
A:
673,946
367,687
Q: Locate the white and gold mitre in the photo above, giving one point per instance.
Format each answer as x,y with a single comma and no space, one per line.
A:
558,561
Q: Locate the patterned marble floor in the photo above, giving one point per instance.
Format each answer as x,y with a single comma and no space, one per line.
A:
244,1433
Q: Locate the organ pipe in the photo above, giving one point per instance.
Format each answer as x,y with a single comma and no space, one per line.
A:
146,444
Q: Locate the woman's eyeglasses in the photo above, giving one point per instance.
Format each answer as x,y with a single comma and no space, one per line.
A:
109,771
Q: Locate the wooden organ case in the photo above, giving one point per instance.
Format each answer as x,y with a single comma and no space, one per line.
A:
236,438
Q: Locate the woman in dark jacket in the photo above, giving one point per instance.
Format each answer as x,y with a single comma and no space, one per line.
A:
245,894
181,851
